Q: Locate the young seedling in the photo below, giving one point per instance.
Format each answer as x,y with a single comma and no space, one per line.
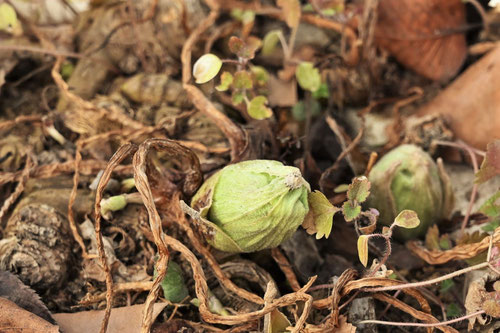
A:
246,83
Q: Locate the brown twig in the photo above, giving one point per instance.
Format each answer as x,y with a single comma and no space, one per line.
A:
286,268
28,166
122,153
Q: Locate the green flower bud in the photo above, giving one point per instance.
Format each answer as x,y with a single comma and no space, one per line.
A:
408,178
252,205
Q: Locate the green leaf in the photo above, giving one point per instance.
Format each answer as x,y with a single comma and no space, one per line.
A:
257,108
248,16
359,189
244,16
242,80
446,285
237,97
236,45
323,212
291,11
491,163
260,74
308,76
350,210
363,249
114,203
445,242
453,311
225,81
173,285
299,111
341,188
322,92
491,226
407,219
491,207
271,39
206,68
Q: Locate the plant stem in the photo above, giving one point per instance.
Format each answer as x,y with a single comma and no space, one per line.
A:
428,282
451,321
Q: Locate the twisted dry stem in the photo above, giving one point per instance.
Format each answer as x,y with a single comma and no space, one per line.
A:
122,153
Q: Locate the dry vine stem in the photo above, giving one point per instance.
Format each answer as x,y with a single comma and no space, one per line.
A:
192,181
123,152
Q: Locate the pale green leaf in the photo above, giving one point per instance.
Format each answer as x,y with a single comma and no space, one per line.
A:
260,74
206,68
237,98
359,189
323,212
271,39
257,108
308,76
225,81
242,80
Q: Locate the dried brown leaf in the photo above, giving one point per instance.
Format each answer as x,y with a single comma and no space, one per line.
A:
125,319
15,319
417,34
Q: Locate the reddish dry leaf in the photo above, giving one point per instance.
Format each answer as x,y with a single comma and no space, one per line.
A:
491,163
15,319
471,104
125,319
422,35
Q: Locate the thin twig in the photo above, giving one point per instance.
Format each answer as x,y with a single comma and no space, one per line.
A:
122,153
451,321
429,282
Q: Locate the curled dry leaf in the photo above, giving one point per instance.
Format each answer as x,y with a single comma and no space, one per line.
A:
422,35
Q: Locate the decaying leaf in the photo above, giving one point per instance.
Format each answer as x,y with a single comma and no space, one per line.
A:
475,89
363,249
478,298
291,10
15,319
491,163
407,219
417,34
124,319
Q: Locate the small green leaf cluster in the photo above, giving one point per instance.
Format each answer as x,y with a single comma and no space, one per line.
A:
357,193
246,84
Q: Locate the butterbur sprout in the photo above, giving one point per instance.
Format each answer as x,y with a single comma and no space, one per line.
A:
252,205
407,178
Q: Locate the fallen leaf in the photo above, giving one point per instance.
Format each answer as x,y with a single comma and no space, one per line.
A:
491,163
421,34
125,319
15,319
471,103
282,93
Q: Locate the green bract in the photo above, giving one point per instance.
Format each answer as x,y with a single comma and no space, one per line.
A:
252,205
408,178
